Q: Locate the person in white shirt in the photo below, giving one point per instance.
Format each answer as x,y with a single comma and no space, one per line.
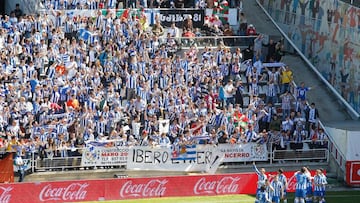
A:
229,91
173,30
71,68
164,140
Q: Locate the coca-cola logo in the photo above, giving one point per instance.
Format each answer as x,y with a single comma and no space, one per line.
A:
226,185
292,183
74,191
5,195
153,188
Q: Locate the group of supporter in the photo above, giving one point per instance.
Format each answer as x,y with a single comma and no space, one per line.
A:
274,188
60,89
119,4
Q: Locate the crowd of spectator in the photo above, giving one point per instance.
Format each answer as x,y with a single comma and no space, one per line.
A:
120,4
59,90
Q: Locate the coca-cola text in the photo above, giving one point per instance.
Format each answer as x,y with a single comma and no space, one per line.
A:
5,195
153,188
74,191
226,185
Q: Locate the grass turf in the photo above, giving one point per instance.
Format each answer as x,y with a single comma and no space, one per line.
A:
351,196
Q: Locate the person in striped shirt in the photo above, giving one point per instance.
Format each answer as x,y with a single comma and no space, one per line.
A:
320,183
277,192
300,187
262,196
309,188
261,177
282,178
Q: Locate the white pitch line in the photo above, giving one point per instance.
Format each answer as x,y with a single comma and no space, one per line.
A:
341,195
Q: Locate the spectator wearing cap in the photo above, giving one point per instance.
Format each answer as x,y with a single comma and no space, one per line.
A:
251,31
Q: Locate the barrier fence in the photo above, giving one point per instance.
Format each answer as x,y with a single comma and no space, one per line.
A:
175,44
145,157
136,188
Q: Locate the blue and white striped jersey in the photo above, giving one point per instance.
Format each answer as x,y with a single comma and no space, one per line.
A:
278,188
320,183
283,180
261,177
301,181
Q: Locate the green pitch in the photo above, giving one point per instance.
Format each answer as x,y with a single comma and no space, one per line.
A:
331,197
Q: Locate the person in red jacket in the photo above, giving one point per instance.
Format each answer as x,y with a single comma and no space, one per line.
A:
251,30
188,33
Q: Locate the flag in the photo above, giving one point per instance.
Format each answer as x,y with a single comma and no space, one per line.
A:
125,14
185,152
85,35
55,106
222,10
201,137
93,144
164,126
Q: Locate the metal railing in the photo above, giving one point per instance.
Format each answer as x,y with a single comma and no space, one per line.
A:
308,152
58,163
300,155
305,154
212,41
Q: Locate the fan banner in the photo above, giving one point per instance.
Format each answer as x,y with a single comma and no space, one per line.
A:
189,158
178,16
243,152
104,154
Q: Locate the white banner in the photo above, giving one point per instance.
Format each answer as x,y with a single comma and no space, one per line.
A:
104,156
186,158
243,152
198,158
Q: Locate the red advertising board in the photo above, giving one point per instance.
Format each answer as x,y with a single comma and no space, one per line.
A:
131,188
353,173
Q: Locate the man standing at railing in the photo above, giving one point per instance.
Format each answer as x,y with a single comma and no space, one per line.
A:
19,162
